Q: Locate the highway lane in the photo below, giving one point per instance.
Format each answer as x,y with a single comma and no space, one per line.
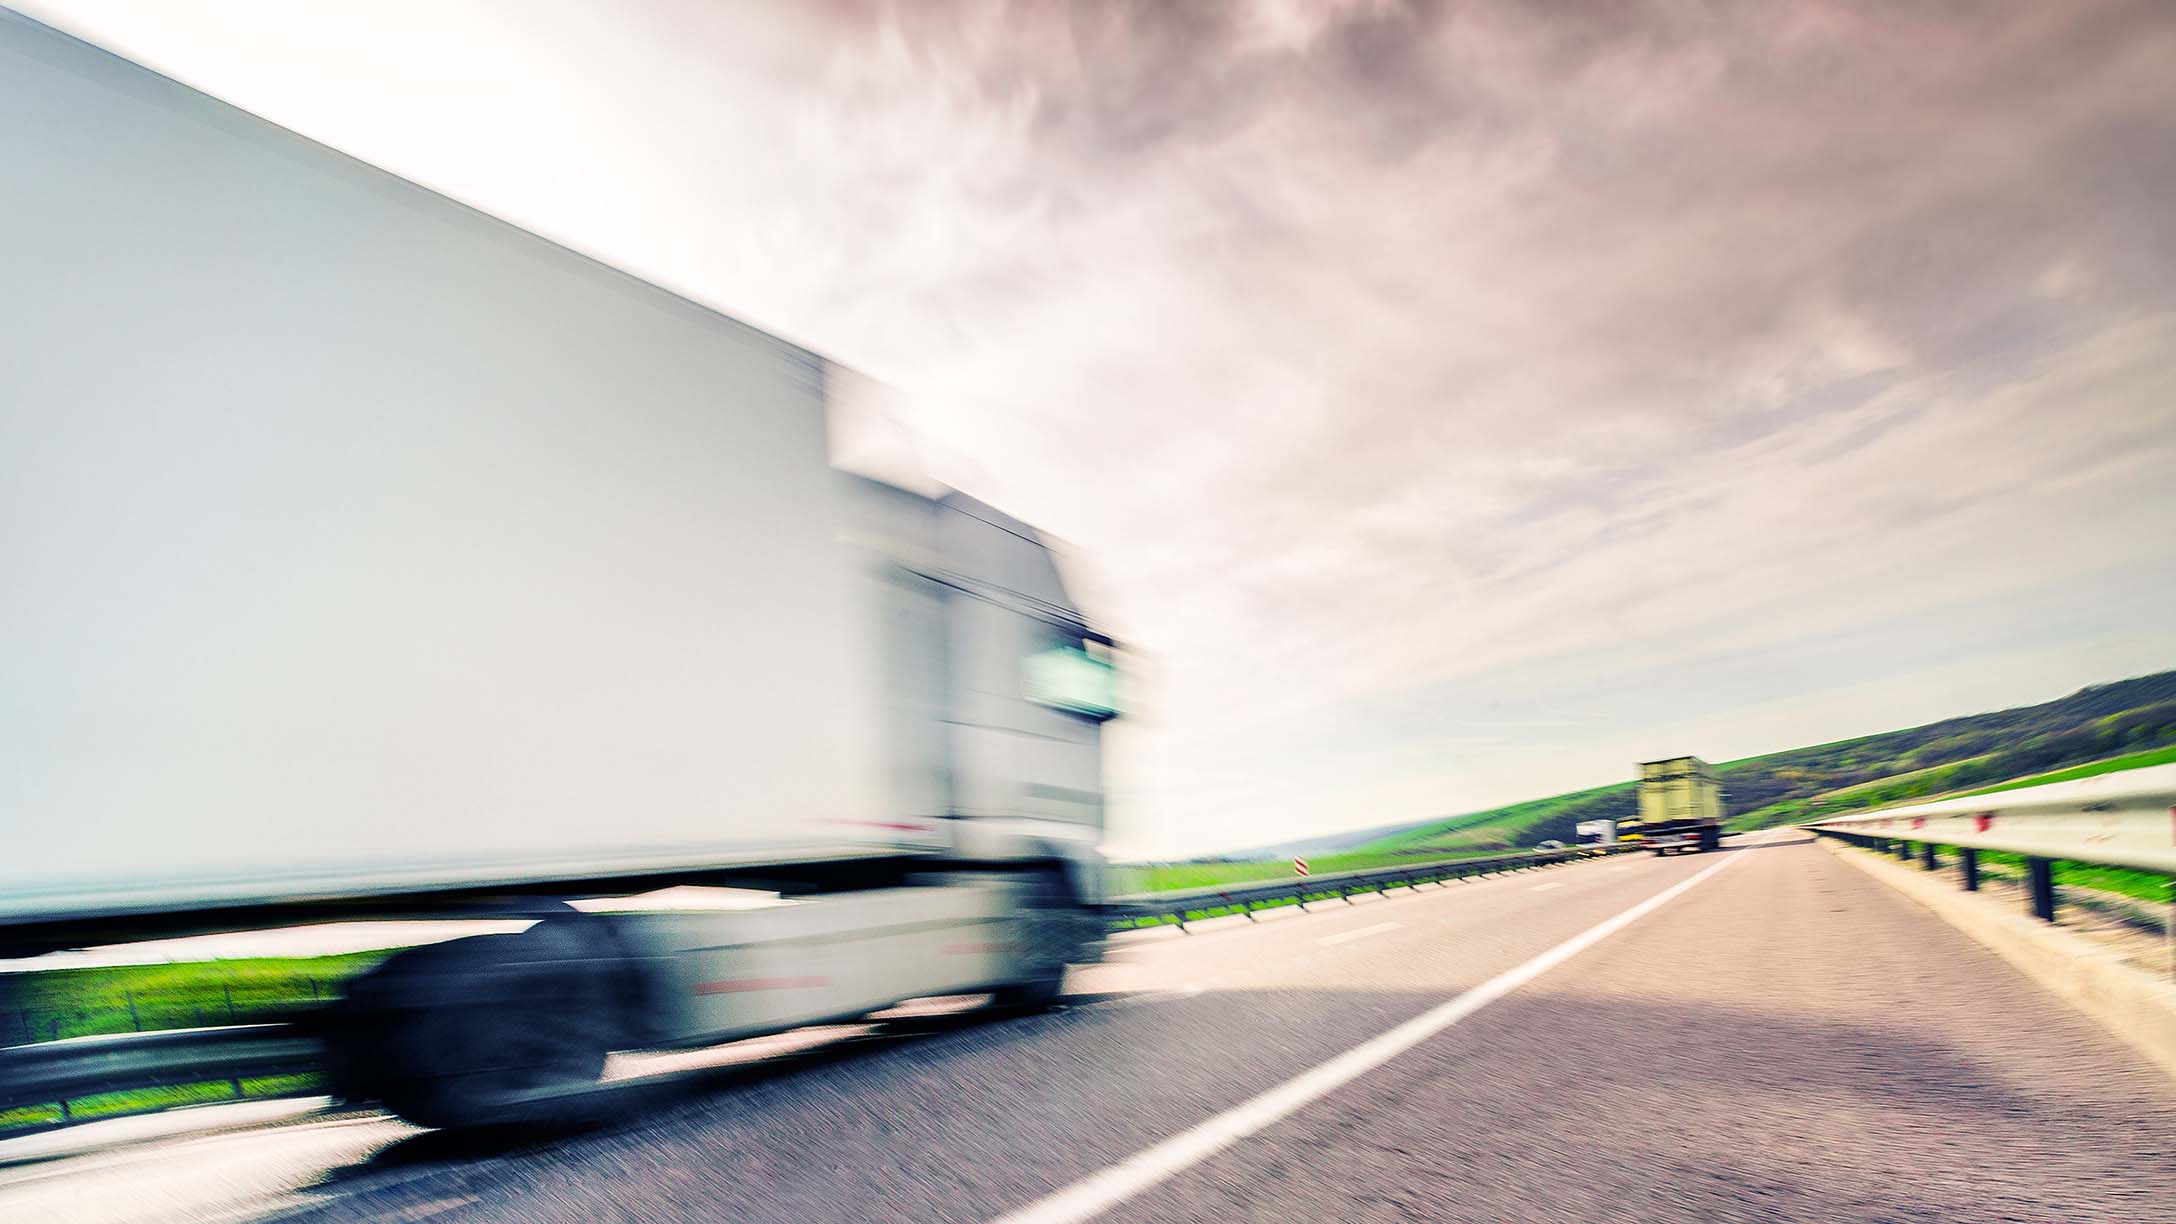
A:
1790,1042
1783,1041
1172,1027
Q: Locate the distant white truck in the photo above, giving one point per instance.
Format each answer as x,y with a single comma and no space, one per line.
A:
369,555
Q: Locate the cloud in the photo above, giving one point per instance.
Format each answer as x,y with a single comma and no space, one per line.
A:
1381,360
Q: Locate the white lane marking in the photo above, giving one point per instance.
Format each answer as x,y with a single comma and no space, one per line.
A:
1094,1194
1546,887
1362,933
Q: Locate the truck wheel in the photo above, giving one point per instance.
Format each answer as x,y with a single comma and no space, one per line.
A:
376,1006
489,1030
1027,998
1056,928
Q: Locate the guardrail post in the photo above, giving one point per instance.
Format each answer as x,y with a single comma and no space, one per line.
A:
1903,849
1927,858
2040,874
1968,866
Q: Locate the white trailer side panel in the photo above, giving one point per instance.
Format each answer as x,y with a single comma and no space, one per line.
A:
349,533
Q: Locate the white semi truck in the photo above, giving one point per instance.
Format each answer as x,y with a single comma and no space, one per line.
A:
366,554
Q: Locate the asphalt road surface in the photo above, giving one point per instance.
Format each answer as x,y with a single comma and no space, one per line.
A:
1761,1034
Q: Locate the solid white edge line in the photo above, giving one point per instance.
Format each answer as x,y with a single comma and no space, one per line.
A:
1362,933
1096,1193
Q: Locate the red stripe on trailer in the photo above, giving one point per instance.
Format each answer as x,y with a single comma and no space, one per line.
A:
737,985
897,826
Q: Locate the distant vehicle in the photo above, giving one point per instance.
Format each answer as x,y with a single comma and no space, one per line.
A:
1595,832
375,556
1551,844
1681,806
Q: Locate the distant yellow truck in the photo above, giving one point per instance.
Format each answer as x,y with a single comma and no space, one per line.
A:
1681,806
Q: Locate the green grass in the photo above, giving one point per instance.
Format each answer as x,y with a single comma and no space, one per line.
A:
146,1100
1321,893
63,1003
2122,881
1171,877
2138,885
130,998
2135,760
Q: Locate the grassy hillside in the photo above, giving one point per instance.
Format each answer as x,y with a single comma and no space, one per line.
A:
2125,725
2086,730
1514,825
2135,760
1958,754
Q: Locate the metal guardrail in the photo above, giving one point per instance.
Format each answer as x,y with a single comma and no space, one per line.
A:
75,1067
1181,906
2125,819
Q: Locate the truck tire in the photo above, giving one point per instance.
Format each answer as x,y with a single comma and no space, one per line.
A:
355,1028
488,1030
1056,929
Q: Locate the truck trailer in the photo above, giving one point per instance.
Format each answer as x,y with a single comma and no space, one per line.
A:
368,555
1681,806
1595,832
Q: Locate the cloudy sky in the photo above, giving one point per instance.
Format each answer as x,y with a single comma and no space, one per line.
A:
1450,404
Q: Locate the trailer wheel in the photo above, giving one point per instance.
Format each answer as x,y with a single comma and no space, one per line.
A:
489,1030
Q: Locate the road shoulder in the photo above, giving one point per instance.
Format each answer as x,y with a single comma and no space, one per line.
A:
2129,1004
